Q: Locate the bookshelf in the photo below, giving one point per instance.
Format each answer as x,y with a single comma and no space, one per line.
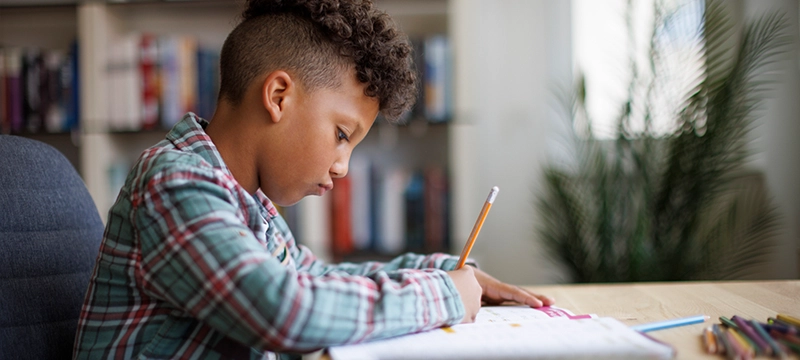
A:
103,153
51,27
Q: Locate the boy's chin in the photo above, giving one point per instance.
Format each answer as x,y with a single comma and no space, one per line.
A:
285,201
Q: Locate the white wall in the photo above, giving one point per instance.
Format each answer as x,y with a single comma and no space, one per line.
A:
775,142
509,54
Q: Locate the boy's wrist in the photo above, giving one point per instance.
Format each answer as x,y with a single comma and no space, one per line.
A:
453,303
451,262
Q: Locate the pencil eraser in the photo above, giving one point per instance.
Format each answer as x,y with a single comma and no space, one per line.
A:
493,194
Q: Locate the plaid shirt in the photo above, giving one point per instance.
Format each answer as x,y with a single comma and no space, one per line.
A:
194,267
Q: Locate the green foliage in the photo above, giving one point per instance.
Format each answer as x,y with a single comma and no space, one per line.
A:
652,207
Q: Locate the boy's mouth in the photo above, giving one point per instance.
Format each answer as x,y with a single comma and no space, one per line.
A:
323,188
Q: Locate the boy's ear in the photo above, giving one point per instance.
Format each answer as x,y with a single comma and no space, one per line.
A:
278,86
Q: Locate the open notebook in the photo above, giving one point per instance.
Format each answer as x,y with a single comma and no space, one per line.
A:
516,332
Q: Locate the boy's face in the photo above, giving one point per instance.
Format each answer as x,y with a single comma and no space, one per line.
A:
317,132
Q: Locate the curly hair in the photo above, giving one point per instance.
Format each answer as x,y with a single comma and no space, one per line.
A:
315,40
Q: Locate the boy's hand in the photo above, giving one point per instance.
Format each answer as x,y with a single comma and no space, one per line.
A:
470,291
496,292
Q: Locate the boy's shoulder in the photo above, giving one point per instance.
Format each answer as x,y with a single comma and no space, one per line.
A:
164,162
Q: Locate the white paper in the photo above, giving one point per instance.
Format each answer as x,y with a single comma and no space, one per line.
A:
489,314
513,333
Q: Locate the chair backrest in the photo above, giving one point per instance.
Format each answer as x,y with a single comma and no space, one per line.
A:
50,232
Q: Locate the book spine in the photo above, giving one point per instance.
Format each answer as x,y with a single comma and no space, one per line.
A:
415,213
376,205
187,69
435,187
54,106
131,83
341,217
71,83
170,81
435,80
14,89
392,212
5,126
31,80
148,74
207,81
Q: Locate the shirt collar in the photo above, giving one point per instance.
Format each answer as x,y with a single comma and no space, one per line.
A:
189,135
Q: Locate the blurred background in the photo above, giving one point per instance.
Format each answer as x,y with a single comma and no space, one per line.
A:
631,140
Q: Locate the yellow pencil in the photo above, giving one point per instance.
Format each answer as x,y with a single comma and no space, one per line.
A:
745,344
789,319
477,228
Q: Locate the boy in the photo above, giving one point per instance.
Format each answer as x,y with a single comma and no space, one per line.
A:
195,261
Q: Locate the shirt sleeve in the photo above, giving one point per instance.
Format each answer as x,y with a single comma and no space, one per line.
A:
198,255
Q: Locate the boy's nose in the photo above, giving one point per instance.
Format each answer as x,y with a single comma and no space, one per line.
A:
339,169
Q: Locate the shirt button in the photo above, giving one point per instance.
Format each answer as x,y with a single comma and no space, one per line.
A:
242,233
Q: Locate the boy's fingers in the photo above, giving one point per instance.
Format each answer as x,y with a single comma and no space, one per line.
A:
529,298
546,300
519,295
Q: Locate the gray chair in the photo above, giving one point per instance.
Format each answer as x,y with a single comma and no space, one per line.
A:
50,232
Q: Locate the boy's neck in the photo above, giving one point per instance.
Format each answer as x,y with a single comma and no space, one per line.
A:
228,130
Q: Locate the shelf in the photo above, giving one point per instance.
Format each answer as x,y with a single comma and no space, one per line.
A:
73,3
37,3
52,28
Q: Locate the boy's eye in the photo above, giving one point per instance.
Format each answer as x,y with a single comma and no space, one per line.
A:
342,136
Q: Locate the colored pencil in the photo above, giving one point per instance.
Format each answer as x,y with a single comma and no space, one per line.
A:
780,328
789,319
768,339
722,338
738,344
727,322
660,325
709,340
790,345
759,345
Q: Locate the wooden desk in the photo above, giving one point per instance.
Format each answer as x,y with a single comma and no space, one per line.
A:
639,303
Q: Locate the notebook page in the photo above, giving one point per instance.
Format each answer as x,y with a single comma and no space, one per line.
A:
525,313
595,338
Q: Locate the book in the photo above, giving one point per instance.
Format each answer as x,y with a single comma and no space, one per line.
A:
32,84
38,90
148,78
207,81
392,214
437,78
5,125
13,82
517,332
436,216
124,84
415,213
341,213
70,82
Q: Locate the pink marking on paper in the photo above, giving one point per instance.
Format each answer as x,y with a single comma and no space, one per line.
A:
555,312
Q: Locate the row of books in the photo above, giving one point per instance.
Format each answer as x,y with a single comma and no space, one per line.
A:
39,90
154,80
389,210
433,59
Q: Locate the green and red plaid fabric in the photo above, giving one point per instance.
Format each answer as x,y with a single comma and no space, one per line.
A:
193,267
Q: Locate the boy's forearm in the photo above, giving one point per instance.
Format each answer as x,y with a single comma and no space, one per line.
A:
217,271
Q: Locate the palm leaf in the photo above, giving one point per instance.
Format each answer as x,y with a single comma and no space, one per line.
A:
645,207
